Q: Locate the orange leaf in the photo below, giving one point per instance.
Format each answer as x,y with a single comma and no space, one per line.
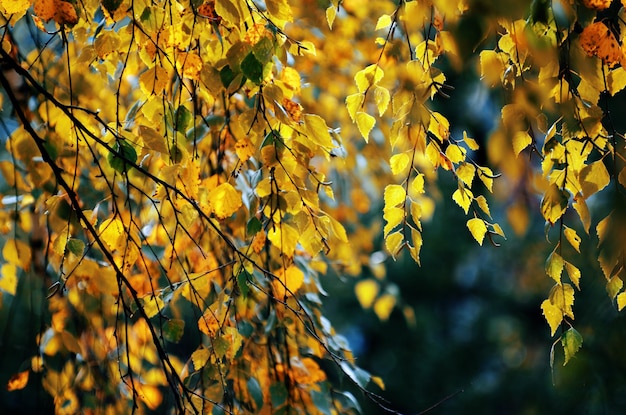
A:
18,381
598,40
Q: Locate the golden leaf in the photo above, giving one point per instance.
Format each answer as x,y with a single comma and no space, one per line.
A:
572,237
393,243
365,123
573,273
562,296
17,252
383,21
417,184
482,204
463,197
18,381
384,306
394,195
521,140
621,301
8,278
284,237
399,163
367,77
554,266
478,229
455,153
554,203
331,13
317,130
393,216
287,281
244,149
225,200
354,102
553,315
466,173
17,7
366,292
580,206
593,178
382,98
112,233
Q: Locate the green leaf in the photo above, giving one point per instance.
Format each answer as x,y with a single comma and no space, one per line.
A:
242,282
278,394
76,246
254,225
173,330
183,118
252,68
254,389
127,154
572,341
263,50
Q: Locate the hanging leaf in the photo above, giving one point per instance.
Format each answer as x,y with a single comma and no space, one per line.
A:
572,341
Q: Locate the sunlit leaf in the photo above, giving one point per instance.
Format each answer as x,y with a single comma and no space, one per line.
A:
365,123
478,229
393,242
463,198
553,315
554,266
572,237
394,195
614,286
554,203
225,200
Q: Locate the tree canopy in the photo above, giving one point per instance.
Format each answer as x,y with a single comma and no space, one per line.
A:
179,175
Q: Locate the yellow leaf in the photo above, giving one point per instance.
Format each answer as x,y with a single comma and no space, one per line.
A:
279,9
17,7
152,139
463,197
616,80
573,273
287,281
553,315
554,203
614,286
284,237
112,233
554,266
593,178
317,131
486,176
478,229
383,21
366,292
368,77
393,243
378,381
399,163
149,395
621,178
365,123
482,204
394,195
580,206
621,301
229,10
393,216
354,103
417,184
382,98
416,239
471,143
331,13
466,172
154,80
338,230
225,200
491,67
244,149
573,238
455,153
18,253
384,306
18,381
521,140
416,214
8,278
562,296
